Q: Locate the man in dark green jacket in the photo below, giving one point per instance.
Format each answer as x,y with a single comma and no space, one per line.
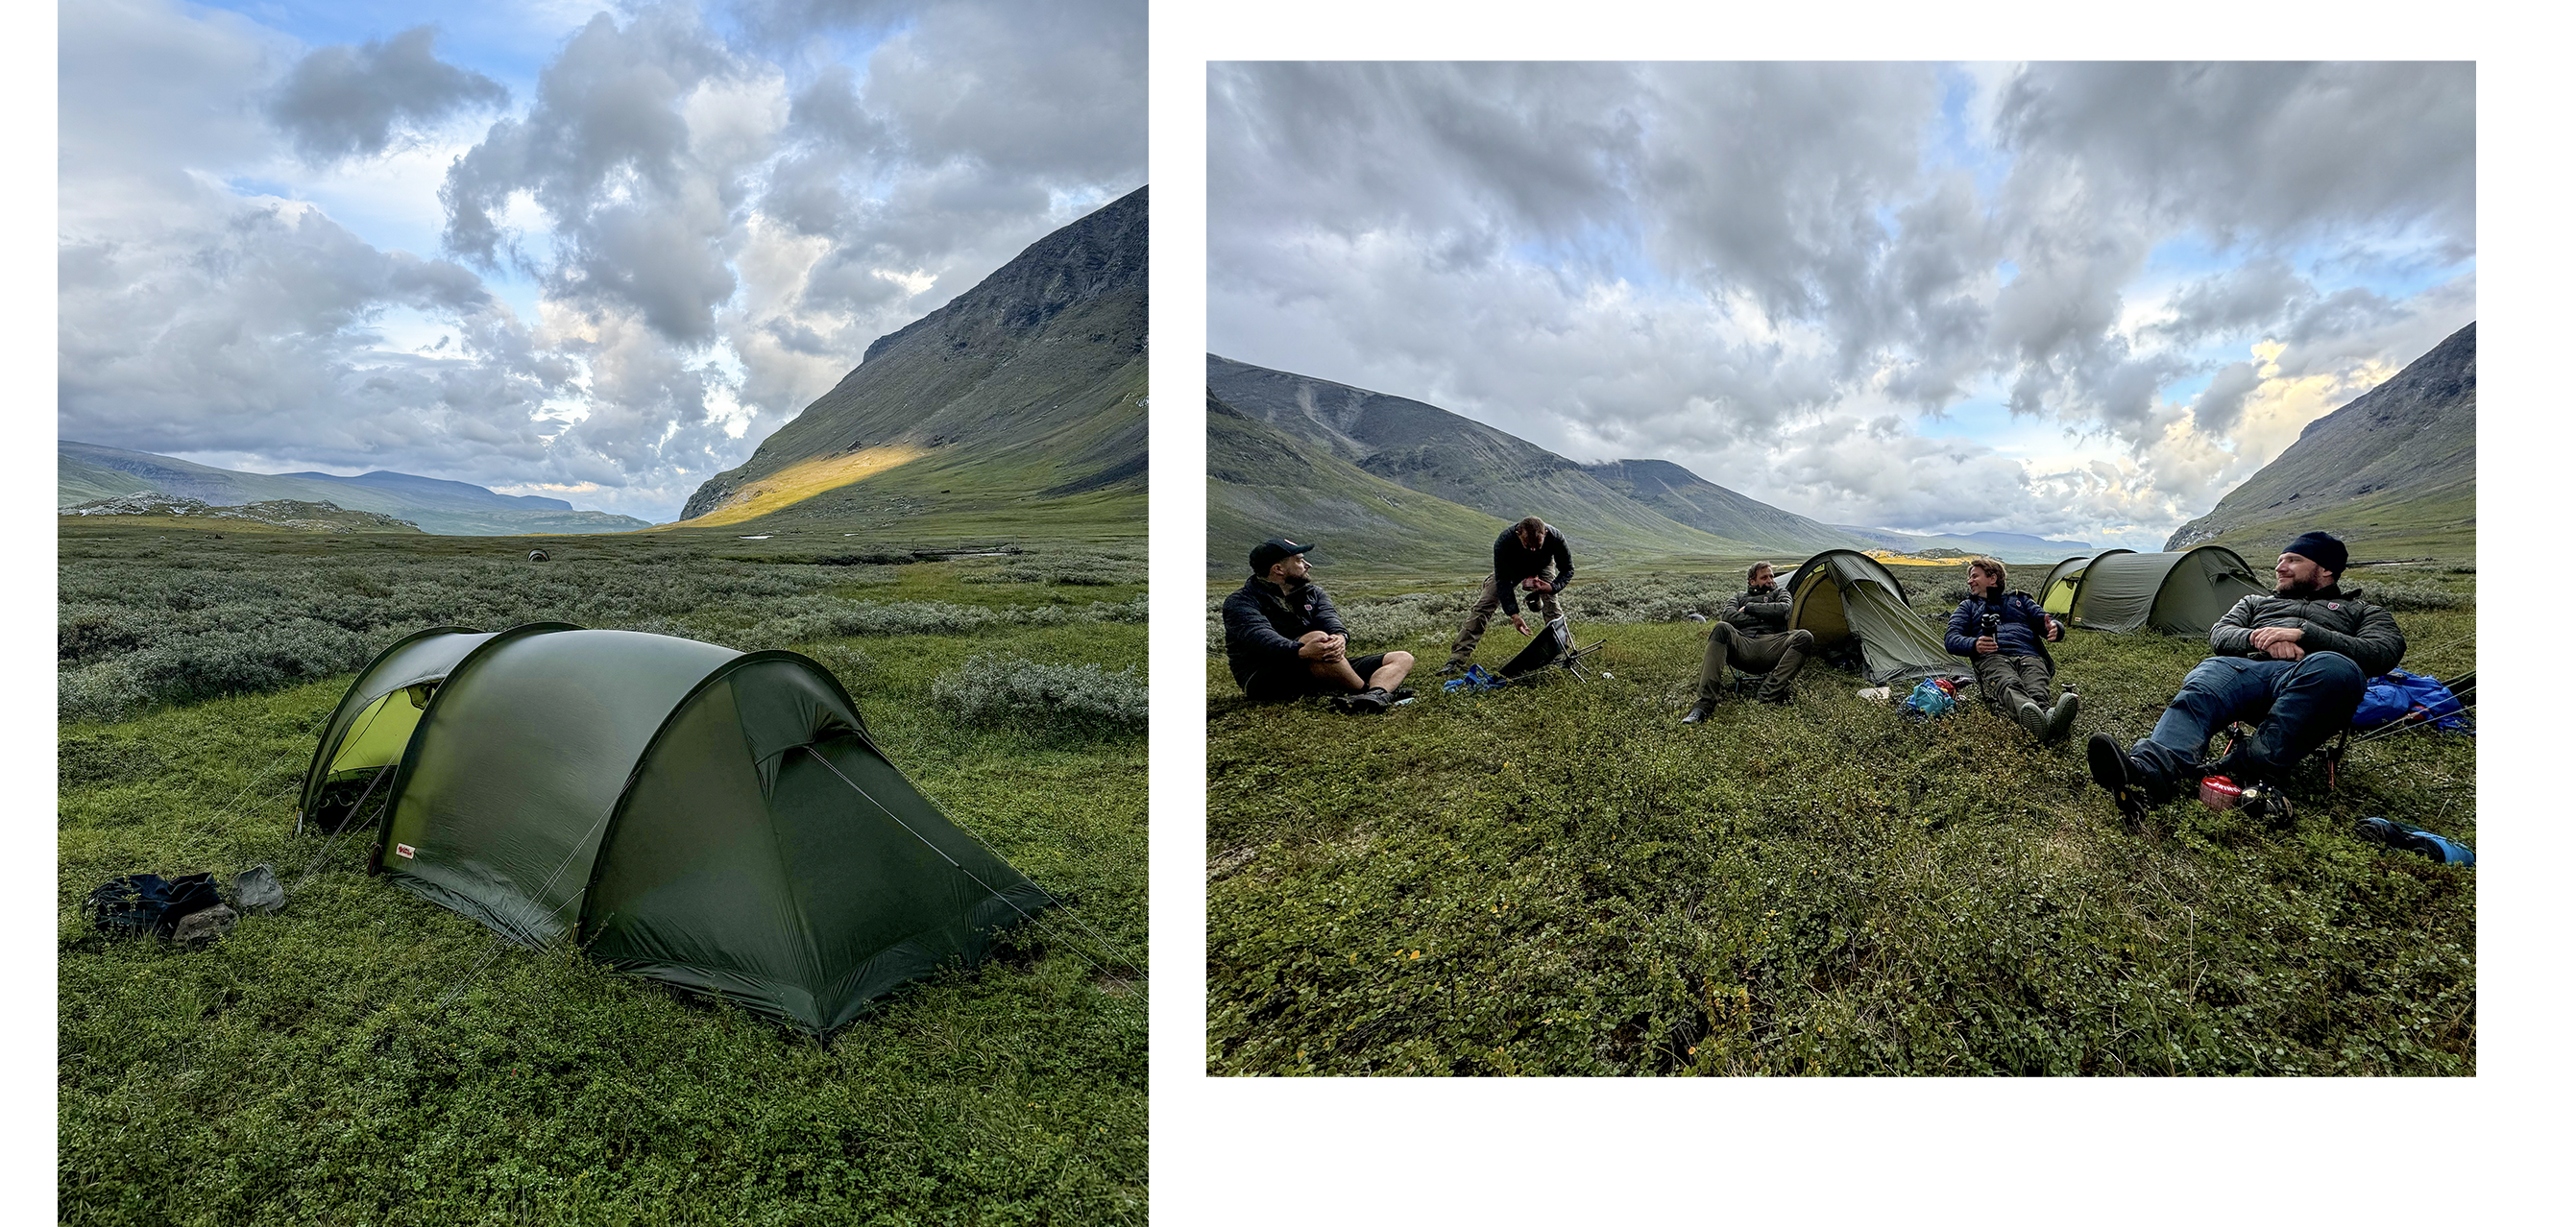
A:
2293,662
1753,635
1284,640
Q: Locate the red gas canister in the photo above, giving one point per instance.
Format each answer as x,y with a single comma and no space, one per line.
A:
2219,792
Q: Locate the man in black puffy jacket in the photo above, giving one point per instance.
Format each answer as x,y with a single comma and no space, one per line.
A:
1752,634
2294,662
2014,669
1284,640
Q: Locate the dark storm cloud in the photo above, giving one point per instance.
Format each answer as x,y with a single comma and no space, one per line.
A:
1690,260
340,101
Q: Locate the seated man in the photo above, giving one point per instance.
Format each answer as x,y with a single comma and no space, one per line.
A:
2295,661
1523,556
1753,635
2006,636
1284,641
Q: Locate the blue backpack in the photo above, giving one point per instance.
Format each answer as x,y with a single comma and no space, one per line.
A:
2399,694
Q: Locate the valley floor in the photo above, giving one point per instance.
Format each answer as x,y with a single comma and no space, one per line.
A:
1564,880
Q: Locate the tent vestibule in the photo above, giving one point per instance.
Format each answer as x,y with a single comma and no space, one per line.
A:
1842,595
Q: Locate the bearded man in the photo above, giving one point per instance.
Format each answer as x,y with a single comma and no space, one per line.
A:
1752,634
2293,663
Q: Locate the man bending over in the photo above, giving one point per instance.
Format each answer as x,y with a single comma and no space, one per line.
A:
2006,637
1523,558
1283,639
1753,635
2295,661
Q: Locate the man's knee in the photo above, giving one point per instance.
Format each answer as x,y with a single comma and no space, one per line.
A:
2331,670
1802,640
1404,659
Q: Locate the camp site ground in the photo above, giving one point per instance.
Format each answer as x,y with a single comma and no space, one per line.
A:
366,1055
1562,879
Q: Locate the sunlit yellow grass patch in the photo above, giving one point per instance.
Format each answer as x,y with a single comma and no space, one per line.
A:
803,480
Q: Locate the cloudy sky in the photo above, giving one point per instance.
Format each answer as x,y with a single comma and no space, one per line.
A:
2074,300
597,252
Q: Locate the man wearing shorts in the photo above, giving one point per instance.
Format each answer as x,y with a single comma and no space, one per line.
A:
1284,641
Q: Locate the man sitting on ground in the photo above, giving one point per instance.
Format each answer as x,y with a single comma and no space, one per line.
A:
1523,558
1753,635
2006,637
2295,661
1283,639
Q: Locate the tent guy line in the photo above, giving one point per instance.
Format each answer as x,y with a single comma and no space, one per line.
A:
1105,944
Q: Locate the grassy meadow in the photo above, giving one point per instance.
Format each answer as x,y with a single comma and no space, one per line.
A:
1562,879
367,1057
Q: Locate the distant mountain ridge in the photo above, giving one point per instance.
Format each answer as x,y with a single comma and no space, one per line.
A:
1637,507
1024,391
1263,482
2393,470
86,472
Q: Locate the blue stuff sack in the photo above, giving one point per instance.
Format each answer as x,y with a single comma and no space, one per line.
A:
1929,700
2398,694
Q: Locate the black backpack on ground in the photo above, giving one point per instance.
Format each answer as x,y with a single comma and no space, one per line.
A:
146,903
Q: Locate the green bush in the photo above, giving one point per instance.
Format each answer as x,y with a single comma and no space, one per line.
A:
1092,568
1084,700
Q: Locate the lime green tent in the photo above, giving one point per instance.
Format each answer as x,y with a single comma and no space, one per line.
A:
2057,592
1844,595
2184,592
712,819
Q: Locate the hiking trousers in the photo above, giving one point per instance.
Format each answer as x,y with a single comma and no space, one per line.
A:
2001,675
2296,706
1776,657
1488,599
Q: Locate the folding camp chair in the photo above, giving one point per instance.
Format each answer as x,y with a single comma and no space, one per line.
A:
2463,688
1552,645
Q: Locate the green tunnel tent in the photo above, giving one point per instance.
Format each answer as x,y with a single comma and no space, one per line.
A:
1845,595
2057,592
712,819
2184,592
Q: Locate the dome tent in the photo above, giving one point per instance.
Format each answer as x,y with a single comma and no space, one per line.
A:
2180,593
712,819
1842,595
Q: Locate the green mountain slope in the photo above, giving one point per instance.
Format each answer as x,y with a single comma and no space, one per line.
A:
2394,472
1263,483
86,472
1436,452
1018,407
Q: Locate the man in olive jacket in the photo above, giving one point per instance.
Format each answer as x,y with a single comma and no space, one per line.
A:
2294,662
1284,640
1753,635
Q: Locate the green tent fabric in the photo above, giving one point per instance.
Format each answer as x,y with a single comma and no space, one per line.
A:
708,818
1844,595
2057,592
2180,593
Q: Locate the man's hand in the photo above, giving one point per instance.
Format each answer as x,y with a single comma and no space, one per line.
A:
2055,631
1518,625
1986,644
1320,645
2265,637
1535,584
2283,649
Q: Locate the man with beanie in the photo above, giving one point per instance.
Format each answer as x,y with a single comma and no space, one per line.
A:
2006,637
1530,560
1753,635
2293,662
1284,640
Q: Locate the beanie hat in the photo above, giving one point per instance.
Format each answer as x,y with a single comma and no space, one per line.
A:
2320,549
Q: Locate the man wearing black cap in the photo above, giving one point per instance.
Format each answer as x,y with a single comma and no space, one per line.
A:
1283,639
2293,662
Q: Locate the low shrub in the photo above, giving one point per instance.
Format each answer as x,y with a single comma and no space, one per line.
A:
1084,700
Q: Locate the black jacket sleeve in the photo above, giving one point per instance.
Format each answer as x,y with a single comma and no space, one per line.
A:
1962,637
2233,633
1326,616
1248,625
2376,647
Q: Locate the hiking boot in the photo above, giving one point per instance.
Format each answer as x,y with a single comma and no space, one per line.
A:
2115,770
2031,717
2061,718
1448,669
1699,711
1399,694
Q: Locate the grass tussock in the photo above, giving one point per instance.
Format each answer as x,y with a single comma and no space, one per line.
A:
1562,879
1052,700
367,1057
